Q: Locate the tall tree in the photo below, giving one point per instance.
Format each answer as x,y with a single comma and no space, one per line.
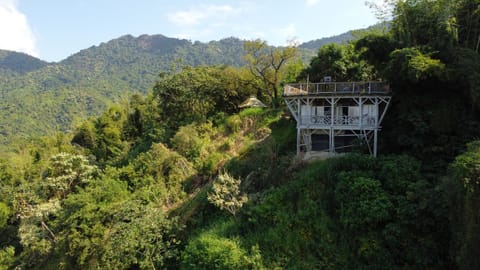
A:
269,64
340,62
197,93
468,19
426,23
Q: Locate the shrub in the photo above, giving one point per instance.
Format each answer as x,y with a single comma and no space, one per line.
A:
4,213
209,251
233,123
226,193
363,201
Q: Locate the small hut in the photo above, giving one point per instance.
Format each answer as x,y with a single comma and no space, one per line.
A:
252,102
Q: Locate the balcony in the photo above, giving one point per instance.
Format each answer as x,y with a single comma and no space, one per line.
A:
336,88
314,121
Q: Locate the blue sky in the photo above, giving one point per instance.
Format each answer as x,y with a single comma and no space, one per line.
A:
55,29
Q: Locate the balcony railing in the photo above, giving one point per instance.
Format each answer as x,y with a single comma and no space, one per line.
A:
302,89
316,120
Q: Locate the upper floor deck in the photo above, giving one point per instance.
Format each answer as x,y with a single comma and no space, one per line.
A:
336,88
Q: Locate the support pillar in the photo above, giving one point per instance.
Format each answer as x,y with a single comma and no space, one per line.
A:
360,104
331,142
375,132
298,141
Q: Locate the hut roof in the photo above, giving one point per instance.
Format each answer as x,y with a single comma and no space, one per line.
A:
252,102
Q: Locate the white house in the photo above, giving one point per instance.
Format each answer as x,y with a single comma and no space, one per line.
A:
332,116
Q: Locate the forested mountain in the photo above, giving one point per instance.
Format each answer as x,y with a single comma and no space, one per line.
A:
317,43
19,62
38,98
343,38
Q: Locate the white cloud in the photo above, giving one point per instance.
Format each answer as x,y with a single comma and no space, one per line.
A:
196,16
312,2
15,33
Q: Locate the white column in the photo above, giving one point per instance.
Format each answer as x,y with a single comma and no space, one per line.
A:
298,141
332,131
361,112
375,132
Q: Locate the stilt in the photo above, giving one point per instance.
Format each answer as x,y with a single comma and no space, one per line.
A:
298,141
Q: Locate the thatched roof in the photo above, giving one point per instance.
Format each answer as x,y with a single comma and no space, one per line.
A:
252,102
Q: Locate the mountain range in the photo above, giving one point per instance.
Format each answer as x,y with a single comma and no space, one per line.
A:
39,98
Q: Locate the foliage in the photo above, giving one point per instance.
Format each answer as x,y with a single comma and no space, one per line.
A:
6,257
425,23
424,57
463,190
409,65
160,173
338,61
360,212
35,233
466,67
215,248
226,193
268,65
4,215
468,19
376,49
66,172
195,94
83,223
141,237
85,135
211,252
363,202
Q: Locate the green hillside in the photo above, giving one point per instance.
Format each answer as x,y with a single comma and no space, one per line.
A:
19,62
40,98
343,38
181,178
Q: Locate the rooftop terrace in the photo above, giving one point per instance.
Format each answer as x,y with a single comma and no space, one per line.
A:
340,88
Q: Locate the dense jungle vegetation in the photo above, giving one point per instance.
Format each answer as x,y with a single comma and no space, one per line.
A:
180,178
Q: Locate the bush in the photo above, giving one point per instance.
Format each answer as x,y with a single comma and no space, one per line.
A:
4,213
209,251
233,123
363,201
187,142
6,257
226,193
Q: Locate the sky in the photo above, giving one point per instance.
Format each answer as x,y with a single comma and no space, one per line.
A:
52,30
